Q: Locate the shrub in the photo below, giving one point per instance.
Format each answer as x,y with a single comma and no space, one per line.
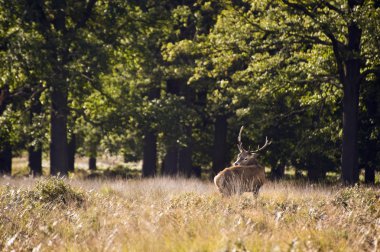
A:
56,190
351,197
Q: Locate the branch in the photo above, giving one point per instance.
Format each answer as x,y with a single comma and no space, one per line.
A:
339,60
334,8
4,98
92,82
36,9
256,25
87,15
23,93
85,117
364,74
311,39
312,15
337,45
277,118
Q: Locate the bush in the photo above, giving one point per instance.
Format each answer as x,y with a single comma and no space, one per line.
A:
351,197
55,190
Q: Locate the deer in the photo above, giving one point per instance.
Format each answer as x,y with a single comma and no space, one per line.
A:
245,175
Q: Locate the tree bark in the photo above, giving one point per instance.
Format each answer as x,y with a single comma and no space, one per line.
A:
58,94
170,163
92,158
317,165
149,166
315,174
185,161
92,163
369,174
35,152
35,161
185,165
5,98
278,171
6,158
350,169
72,146
58,123
351,83
369,161
219,160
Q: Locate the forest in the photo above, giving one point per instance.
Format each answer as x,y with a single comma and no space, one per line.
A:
162,89
171,82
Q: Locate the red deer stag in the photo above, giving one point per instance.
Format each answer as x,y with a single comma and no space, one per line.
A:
246,175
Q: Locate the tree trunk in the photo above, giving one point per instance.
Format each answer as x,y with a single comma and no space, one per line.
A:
370,161
350,169
368,158
35,161
196,171
93,155
58,123
316,167
278,171
149,166
6,159
35,152
92,163
219,160
369,174
316,174
351,83
170,163
185,165
185,161
59,91
5,99
72,146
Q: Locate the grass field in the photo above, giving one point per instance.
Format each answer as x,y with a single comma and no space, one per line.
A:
165,214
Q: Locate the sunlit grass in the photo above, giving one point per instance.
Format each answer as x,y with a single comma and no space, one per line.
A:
164,214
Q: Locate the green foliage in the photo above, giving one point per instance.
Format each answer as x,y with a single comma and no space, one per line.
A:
268,65
56,190
350,197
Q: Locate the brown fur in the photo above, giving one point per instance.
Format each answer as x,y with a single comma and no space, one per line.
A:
239,179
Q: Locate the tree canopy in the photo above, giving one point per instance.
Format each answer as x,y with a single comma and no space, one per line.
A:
170,83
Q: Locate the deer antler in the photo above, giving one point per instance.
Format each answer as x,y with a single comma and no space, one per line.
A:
267,143
240,144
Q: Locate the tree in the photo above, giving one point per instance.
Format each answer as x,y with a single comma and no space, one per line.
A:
61,30
274,48
35,139
174,81
351,46
369,123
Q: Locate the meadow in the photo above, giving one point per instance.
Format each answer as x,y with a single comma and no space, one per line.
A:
173,214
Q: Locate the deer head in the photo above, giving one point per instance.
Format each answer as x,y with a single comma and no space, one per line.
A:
247,157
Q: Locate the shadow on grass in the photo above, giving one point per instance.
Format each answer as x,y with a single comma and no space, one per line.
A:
117,172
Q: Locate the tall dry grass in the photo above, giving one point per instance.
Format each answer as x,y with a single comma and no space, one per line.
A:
165,214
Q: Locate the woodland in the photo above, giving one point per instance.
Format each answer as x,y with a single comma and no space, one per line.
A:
170,83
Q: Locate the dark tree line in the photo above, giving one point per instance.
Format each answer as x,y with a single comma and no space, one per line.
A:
171,82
